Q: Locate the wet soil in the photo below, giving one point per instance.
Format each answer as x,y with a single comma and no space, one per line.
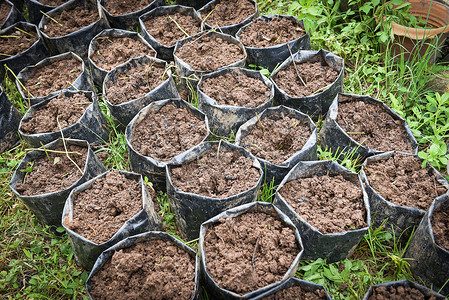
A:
5,8
440,227
370,125
16,41
100,211
228,12
330,204
316,76
165,30
296,293
168,132
134,83
402,181
57,75
71,20
276,138
218,174
209,53
54,174
119,7
113,51
52,2
60,112
249,251
398,293
236,89
149,270
261,34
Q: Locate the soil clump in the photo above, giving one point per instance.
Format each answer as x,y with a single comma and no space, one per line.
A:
118,8
230,12
70,20
440,226
398,293
16,42
5,8
52,2
296,293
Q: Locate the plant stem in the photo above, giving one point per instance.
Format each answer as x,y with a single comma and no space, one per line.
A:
23,31
294,65
21,84
65,146
51,18
179,26
45,150
208,15
260,122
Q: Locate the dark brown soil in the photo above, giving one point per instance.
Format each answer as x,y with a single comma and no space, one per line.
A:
296,293
236,89
399,293
149,270
119,7
276,138
52,2
228,12
54,174
165,31
57,75
63,110
316,77
113,51
261,34
71,20
402,181
168,132
329,204
15,42
249,252
5,8
100,211
209,53
218,174
440,226
372,126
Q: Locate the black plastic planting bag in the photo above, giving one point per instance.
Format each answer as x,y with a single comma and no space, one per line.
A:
401,218
9,123
126,111
13,16
307,152
86,252
150,167
36,9
216,292
333,246
164,52
428,260
32,55
77,41
131,20
83,82
98,73
229,29
271,57
92,126
197,4
192,209
226,119
306,287
338,141
318,103
133,240
427,293
48,207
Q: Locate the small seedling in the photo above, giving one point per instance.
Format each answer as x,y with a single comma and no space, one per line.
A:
51,18
179,26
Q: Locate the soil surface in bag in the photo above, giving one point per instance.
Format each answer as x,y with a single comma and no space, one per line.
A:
236,89
52,2
53,173
152,269
230,12
15,42
168,132
261,34
314,75
165,30
219,174
402,181
440,227
5,8
100,211
397,293
120,7
113,51
134,83
276,138
296,293
249,251
57,75
209,53
370,125
60,112
330,204
70,20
